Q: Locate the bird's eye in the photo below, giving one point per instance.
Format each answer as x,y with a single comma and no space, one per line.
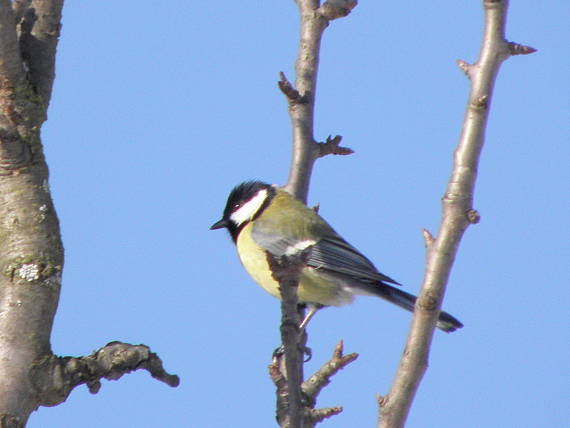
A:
236,206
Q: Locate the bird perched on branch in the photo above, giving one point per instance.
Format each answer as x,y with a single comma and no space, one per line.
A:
263,218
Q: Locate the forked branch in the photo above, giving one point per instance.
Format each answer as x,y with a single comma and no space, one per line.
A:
322,377
311,387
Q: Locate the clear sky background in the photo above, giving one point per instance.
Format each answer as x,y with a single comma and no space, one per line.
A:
159,108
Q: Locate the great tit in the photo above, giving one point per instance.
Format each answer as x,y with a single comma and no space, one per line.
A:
263,218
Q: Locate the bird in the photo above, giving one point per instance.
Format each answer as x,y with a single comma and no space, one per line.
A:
265,219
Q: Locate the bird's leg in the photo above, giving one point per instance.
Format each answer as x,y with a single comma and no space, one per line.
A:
312,310
307,318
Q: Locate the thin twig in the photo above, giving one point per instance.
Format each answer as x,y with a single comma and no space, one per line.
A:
332,147
322,377
293,96
457,214
310,388
428,238
314,416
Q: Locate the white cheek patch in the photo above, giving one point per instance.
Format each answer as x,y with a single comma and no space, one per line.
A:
298,247
248,210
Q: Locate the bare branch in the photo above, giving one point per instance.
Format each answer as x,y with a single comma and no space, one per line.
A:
305,150
314,416
286,271
516,49
457,214
334,9
31,254
29,31
296,399
293,96
288,415
428,238
39,30
311,387
19,7
331,147
11,70
465,67
277,376
473,216
291,411
322,377
54,377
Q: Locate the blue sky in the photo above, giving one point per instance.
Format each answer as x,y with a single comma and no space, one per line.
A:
160,108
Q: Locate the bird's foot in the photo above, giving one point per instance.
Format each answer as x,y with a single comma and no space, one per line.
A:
280,351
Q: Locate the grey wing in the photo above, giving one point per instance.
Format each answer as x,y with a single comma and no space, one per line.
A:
331,254
276,244
335,255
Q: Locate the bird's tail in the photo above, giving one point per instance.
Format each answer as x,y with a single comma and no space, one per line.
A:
407,301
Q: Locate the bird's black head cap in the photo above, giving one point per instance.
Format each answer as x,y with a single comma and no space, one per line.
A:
240,195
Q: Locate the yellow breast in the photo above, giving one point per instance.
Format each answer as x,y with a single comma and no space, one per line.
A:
313,288
254,261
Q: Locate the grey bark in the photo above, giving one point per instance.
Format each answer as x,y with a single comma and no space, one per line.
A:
457,214
31,251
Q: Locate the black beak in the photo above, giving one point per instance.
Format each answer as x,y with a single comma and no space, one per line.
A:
220,224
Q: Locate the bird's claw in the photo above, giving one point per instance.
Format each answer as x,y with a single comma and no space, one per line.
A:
280,351
308,352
